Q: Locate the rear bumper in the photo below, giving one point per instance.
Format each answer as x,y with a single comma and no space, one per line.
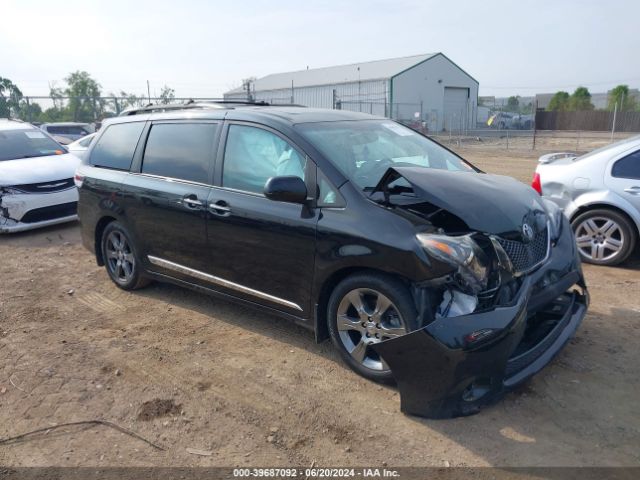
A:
454,366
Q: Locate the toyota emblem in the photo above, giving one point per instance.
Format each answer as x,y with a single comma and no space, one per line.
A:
527,232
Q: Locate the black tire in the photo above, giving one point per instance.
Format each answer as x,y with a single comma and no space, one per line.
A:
402,311
126,279
624,232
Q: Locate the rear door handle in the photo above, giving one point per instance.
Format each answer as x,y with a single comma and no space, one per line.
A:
635,190
220,208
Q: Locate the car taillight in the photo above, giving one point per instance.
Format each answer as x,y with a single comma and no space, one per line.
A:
535,183
78,179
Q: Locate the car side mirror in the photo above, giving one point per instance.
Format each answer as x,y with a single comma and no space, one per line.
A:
289,189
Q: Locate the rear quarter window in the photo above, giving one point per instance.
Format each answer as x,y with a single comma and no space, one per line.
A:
116,146
627,167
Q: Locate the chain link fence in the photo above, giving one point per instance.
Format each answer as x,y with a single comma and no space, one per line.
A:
506,130
527,140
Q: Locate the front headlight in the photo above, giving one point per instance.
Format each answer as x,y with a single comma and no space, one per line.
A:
10,191
463,253
555,218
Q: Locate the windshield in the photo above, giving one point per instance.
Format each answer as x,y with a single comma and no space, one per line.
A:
23,143
364,150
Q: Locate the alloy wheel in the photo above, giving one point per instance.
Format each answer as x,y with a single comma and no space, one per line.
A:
120,258
599,238
366,317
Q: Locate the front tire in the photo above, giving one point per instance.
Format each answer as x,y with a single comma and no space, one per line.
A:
120,259
364,309
604,236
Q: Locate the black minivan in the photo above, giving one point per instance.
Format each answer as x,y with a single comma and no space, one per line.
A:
455,284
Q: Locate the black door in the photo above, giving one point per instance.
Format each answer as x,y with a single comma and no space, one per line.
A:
261,250
166,199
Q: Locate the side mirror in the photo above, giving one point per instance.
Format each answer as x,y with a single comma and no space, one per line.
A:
289,189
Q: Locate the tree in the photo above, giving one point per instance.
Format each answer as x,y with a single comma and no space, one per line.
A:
126,100
620,96
10,96
30,111
580,100
513,104
167,95
85,104
559,102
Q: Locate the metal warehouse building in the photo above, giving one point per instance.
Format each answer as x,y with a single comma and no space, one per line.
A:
430,87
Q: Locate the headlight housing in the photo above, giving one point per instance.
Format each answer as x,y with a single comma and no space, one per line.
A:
461,252
10,191
555,218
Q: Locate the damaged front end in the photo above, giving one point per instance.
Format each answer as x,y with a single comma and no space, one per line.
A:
513,296
29,206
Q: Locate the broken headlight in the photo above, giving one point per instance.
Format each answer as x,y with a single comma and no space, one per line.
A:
555,218
10,191
463,253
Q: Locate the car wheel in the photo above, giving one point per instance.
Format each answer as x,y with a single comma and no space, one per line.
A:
604,237
365,309
120,258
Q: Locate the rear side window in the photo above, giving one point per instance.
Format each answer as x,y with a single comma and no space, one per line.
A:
85,142
180,150
116,146
627,167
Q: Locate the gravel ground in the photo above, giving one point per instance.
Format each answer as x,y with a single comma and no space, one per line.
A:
245,388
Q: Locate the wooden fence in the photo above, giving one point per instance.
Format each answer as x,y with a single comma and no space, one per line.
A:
594,120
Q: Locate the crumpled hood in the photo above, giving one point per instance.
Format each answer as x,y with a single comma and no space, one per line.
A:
39,169
487,203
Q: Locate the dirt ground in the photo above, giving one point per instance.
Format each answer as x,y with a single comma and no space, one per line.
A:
245,388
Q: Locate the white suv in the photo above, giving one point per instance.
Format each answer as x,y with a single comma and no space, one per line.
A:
36,179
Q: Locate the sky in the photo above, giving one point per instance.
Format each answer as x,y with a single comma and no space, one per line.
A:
204,48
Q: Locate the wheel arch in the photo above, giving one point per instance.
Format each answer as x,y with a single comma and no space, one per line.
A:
322,299
605,206
100,226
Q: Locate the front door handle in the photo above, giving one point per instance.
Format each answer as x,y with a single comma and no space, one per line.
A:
635,190
220,208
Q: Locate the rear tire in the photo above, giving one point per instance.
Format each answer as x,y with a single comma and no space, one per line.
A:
604,236
368,308
120,258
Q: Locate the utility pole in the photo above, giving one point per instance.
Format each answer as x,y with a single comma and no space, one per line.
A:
613,127
148,91
359,92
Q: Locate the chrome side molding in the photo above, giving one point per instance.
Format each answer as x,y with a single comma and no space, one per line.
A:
176,267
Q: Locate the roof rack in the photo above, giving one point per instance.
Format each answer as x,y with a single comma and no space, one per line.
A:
191,104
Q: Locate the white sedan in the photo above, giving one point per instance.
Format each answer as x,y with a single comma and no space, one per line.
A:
36,179
79,147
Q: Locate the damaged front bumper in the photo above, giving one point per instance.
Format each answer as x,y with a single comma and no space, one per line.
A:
455,365
20,212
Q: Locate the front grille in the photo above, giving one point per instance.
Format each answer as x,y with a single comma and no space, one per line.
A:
526,256
46,187
50,213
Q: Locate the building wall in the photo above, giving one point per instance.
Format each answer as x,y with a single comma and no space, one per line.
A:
369,97
415,90
421,89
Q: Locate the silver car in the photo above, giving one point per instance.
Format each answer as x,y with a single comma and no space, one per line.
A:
600,193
